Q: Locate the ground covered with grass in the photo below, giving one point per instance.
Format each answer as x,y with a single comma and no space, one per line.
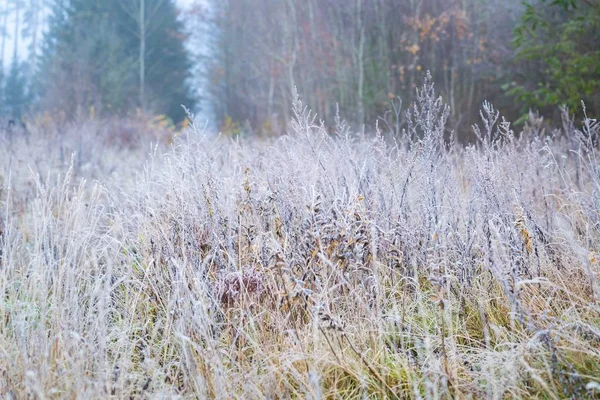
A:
314,265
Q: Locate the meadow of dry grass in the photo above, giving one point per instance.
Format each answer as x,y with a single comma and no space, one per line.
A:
308,266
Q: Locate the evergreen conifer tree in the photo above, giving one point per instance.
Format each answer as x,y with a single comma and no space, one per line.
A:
15,95
93,51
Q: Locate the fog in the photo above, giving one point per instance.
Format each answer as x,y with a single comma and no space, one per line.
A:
307,199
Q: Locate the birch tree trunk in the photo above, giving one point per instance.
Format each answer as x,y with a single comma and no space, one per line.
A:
3,30
361,68
142,55
17,23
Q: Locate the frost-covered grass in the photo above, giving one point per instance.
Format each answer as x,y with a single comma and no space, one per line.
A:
308,266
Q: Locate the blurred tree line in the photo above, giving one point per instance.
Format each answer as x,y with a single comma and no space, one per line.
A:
361,55
99,57
355,56
15,94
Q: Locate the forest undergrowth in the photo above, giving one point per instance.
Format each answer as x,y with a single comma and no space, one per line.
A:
312,265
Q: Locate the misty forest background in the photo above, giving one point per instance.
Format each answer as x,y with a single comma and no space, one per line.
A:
236,62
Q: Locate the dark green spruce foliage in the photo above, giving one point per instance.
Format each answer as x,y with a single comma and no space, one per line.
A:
15,94
91,57
166,62
558,42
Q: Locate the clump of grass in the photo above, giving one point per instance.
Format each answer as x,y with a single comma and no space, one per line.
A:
308,266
